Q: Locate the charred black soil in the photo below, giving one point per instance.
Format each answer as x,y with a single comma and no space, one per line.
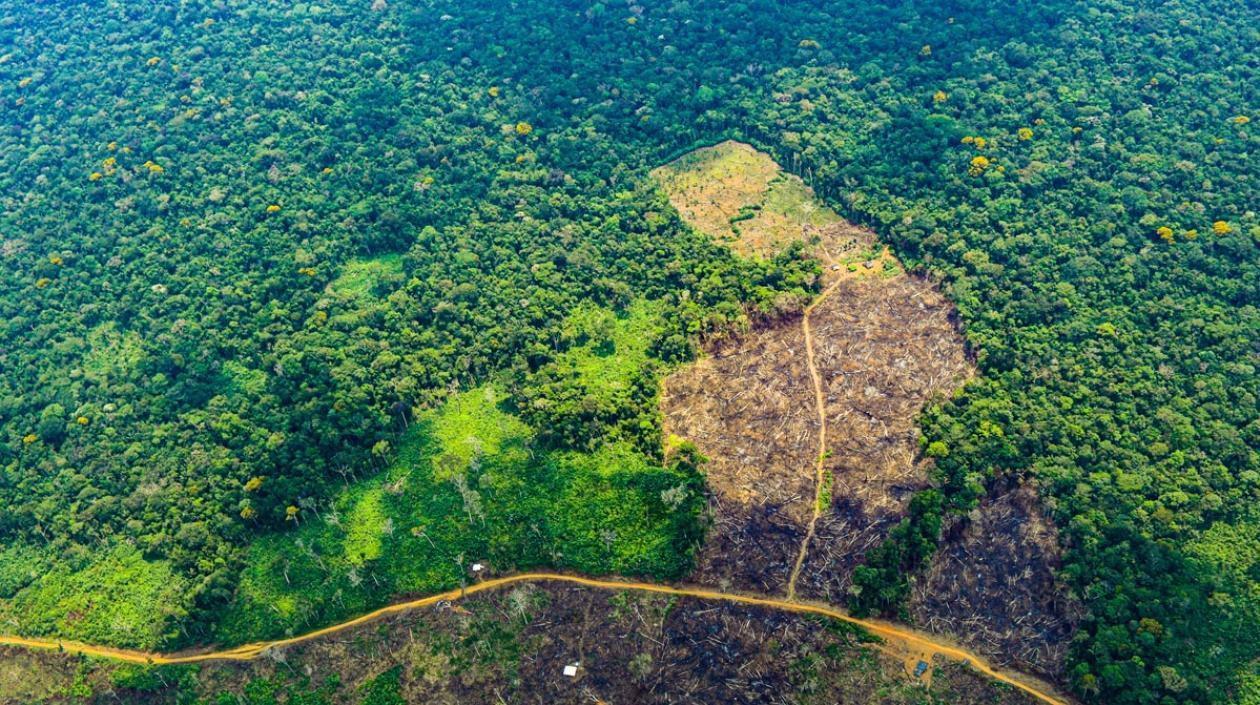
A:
992,584
513,646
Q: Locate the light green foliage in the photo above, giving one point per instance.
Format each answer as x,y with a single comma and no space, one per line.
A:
120,597
243,380
468,485
360,277
365,526
469,427
790,199
610,347
602,387
111,354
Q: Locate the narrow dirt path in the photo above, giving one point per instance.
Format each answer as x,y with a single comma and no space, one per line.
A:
249,652
820,456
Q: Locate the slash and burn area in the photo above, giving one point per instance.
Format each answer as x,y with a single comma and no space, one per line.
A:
885,344
547,643
884,348
993,584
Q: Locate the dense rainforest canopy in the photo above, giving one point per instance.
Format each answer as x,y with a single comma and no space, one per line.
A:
248,247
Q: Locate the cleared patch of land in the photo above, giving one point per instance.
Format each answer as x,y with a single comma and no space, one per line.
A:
992,584
884,348
359,278
514,646
885,345
468,485
738,195
760,437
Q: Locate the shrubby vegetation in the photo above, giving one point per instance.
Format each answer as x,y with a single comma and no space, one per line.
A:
469,485
201,204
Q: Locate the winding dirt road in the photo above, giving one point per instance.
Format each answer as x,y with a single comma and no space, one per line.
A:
248,652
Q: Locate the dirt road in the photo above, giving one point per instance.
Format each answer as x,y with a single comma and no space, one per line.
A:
251,651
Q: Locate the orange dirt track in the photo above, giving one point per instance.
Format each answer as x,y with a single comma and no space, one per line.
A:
249,652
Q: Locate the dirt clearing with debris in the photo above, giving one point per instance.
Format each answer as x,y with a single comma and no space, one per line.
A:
885,345
992,584
560,644
884,348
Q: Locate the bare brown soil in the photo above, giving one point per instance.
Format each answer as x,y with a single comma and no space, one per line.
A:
512,646
884,348
760,438
992,584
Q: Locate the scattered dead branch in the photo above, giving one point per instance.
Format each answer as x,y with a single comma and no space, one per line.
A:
992,585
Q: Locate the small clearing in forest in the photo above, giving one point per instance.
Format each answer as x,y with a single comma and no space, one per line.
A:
739,196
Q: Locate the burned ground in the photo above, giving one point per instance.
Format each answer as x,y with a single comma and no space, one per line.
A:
992,585
760,438
884,348
512,646
885,344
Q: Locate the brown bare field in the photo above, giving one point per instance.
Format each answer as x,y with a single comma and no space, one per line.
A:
512,646
748,406
992,584
885,344
884,348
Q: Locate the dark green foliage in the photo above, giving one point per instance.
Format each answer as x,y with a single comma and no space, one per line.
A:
383,689
880,586
195,330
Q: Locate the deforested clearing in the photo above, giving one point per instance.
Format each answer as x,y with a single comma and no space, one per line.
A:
885,345
738,195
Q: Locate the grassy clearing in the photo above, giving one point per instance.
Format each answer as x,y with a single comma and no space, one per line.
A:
359,277
736,194
468,485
